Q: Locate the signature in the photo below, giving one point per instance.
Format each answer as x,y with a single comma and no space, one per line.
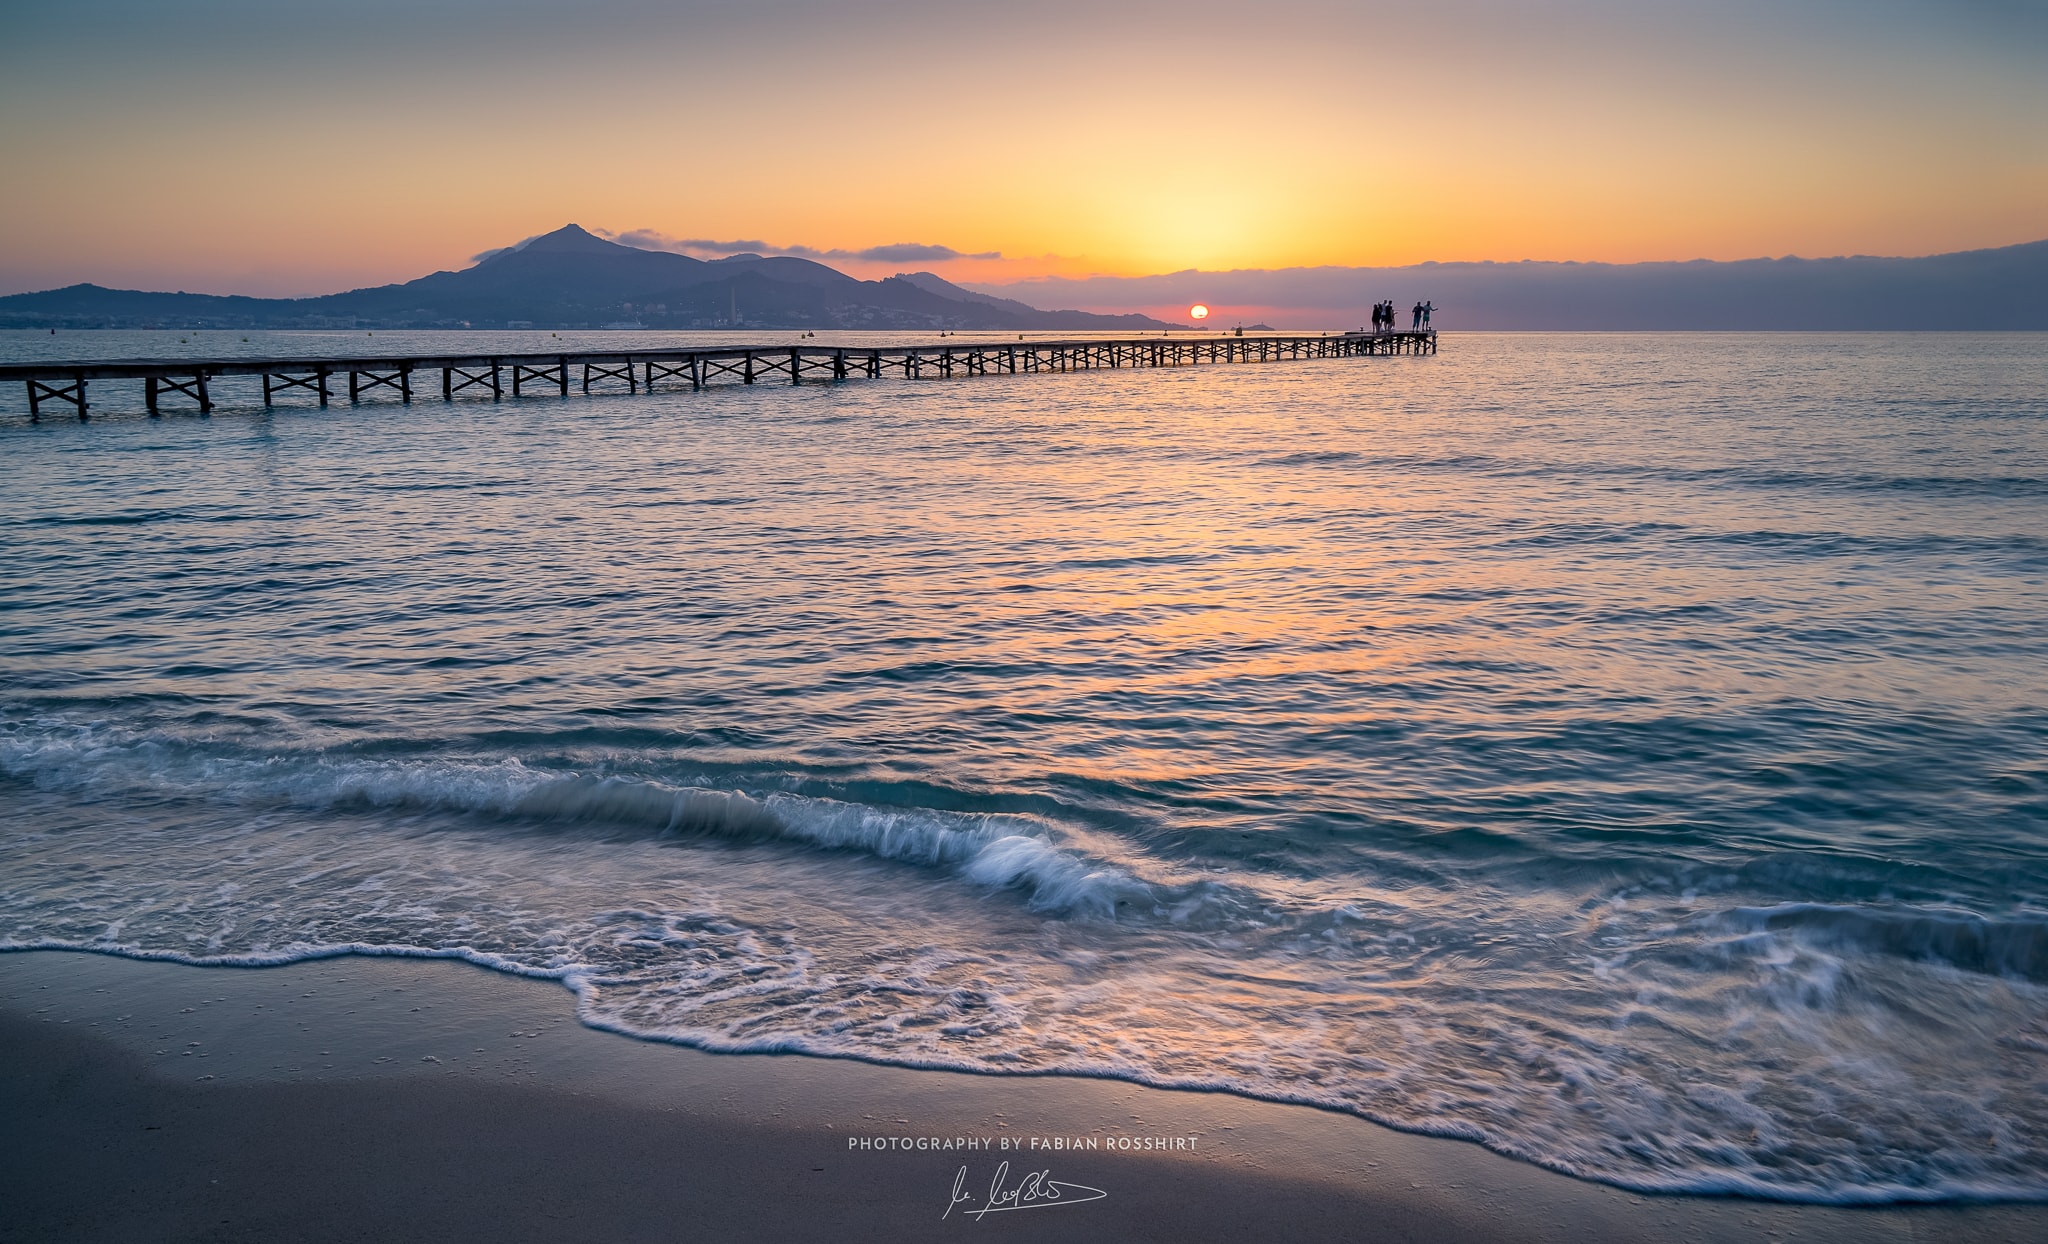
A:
1037,1190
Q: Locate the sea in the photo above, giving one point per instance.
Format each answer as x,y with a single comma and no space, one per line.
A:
1627,752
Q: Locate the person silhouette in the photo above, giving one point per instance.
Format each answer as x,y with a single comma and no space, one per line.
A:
1415,322
1427,307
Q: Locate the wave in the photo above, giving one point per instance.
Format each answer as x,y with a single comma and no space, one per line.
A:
999,851
1310,458
2015,948
1687,1163
1276,1014
1993,486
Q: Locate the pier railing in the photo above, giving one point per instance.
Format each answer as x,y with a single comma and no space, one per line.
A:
186,382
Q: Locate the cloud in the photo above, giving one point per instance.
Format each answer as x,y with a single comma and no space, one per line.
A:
916,252
650,240
894,252
495,251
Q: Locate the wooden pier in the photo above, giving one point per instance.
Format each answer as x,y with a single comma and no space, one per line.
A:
185,382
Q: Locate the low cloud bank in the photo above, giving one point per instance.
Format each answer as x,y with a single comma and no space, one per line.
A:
894,252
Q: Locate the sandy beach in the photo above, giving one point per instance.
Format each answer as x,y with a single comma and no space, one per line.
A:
362,1099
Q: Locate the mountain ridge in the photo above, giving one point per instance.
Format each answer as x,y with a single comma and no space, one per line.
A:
1989,289
571,278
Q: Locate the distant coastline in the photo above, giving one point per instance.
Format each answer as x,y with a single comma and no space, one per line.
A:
572,279
2005,288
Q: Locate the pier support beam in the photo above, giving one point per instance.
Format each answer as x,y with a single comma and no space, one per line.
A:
362,380
154,387
557,371
276,382
455,379
621,370
684,370
40,391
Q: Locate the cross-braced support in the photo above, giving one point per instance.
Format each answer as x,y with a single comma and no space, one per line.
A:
455,379
362,381
277,382
621,370
41,391
153,388
833,365
686,369
710,368
557,371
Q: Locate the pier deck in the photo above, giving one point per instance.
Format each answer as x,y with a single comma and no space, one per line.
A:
186,381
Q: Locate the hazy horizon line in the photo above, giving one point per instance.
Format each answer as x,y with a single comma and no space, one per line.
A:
940,254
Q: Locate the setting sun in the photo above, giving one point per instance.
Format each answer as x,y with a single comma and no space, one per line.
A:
1198,312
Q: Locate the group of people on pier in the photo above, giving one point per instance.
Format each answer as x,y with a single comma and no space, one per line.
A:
1385,319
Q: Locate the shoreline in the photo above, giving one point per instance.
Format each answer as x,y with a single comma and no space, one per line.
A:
367,1097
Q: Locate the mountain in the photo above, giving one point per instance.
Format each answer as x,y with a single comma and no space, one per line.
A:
572,278
933,283
2005,288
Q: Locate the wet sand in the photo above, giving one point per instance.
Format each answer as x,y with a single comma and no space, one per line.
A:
400,1099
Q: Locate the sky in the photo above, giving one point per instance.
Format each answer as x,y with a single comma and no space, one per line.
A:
280,148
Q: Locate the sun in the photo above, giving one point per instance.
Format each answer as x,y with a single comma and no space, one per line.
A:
1198,312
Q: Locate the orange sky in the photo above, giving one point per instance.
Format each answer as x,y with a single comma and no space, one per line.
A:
231,146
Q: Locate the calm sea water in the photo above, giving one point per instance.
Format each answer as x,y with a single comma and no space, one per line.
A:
1627,752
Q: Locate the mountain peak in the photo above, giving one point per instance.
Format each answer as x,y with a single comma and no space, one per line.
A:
570,238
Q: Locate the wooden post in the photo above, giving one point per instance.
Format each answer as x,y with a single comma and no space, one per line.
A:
198,382
795,365
447,384
149,395
38,392
563,374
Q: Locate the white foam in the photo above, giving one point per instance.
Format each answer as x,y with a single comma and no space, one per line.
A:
1709,1047
999,851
